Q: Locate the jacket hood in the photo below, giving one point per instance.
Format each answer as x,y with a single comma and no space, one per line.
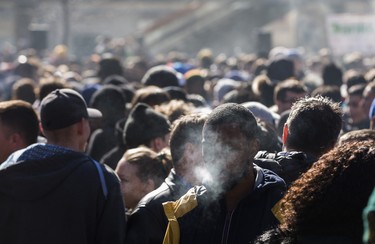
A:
34,172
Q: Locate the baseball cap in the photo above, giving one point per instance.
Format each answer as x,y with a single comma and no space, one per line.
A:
64,107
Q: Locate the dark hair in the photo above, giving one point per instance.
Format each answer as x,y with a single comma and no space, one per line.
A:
21,118
149,164
331,92
353,79
356,90
174,109
241,94
269,140
332,75
24,89
111,101
151,95
48,85
356,136
235,114
161,76
329,198
109,66
290,85
187,129
314,124
264,89
280,69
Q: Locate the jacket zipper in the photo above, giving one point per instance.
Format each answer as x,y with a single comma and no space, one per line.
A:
228,221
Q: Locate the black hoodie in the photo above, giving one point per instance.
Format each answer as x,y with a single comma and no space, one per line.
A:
50,194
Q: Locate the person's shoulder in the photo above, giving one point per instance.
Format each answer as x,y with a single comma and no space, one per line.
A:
155,197
268,160
268,179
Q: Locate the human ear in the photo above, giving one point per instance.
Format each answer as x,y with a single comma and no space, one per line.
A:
285,133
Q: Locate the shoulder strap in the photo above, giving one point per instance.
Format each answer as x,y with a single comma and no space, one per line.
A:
101,177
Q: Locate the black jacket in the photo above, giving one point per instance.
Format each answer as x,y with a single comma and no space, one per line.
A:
210,222
50,194
147,223
288,165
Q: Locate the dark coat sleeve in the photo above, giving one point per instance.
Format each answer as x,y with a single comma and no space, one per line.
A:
147,225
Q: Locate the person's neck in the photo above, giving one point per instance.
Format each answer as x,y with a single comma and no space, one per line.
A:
242,189
71,145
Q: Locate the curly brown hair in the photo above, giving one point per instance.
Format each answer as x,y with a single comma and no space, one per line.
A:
329,198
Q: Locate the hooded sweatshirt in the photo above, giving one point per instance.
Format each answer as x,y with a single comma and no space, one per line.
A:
51,194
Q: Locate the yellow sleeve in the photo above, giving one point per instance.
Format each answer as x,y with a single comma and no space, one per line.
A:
175,210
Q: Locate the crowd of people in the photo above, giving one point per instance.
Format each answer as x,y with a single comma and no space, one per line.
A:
185,148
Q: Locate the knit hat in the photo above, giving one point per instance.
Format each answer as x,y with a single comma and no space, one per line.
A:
143,125
262,112
64,107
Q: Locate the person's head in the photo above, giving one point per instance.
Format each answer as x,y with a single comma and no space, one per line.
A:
150,95
332,75
352,78
353,100
140,171
174,109
19,127
357,136
367,96
329,198
147,127
313,125
331,92
64,119
280,69
48,85
264,89
109,66
186,145
161,76
262,113
229,143
194,82
268,138
24,89
287,92
110,101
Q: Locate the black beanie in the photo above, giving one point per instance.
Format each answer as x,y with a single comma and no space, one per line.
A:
143,125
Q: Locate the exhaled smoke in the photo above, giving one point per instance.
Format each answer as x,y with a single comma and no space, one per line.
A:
221,170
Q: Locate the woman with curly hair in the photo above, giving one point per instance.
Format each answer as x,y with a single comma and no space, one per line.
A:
325,204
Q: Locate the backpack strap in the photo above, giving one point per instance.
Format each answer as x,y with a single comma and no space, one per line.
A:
101,177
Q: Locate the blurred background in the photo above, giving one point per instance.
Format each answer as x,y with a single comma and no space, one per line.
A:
141,27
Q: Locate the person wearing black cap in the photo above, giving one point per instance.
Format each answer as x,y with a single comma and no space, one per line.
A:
53,193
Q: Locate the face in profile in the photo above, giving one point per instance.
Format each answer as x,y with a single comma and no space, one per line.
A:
226,155
132,187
